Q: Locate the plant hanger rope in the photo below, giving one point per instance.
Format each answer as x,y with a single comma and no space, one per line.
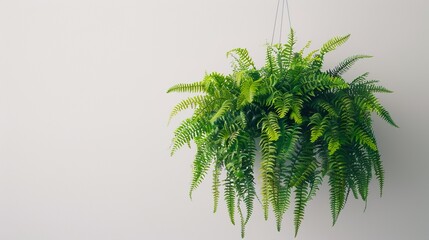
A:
284,2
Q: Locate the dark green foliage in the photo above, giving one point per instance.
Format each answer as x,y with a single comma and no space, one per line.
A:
309,124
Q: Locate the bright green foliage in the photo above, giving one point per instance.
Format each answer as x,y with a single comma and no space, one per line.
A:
309,124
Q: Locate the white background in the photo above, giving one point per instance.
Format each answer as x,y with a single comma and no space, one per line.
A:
84,141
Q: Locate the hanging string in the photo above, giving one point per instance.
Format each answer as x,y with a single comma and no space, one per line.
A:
275,22
284,2
281,22
288,14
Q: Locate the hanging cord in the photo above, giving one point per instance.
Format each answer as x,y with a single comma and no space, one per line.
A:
281,19
288,14
281,22
275,22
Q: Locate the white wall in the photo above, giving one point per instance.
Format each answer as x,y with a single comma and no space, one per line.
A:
84,141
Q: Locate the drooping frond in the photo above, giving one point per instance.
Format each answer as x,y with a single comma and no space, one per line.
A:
215,187
301,198
201,165
230,199
337,182
190,129
270,126
267,170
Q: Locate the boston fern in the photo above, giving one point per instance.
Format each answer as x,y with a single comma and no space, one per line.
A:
307,123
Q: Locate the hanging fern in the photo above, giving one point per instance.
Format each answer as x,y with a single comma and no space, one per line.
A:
310,124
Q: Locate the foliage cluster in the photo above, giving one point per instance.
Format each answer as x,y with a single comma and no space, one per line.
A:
308,124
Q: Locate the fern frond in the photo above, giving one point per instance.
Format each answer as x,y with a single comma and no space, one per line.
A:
380,110
315,181
346,64
248,90
242,220
378,168
270,61
286,52
270,126
337,183
196,87
295,113
215,187
267,170
283,104
360,78
226,106
333,43
230,199
242,58
307,45
301,193
319,125
189,129
201,165
191,102
362,137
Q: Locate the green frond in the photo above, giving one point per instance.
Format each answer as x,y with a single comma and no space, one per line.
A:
346,64
248,89
230,199
282,104
285,52
215,187
301,52
295,113
362,137
321,82
380,110
319,125
301,193
226,106
242,58
196,87
364,87
191,102
333,138
311,56
201,165
190,129
333,43
268,149
242,220
360,78
270,61
243,119
337,183
270,126
378,168
315,181
360,172
305,168
326,106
